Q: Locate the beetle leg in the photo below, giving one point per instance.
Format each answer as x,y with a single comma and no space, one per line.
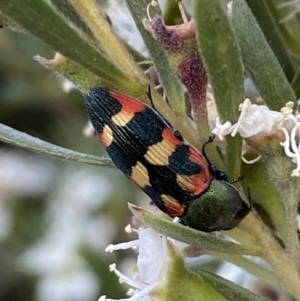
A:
218,174
209,140
236,179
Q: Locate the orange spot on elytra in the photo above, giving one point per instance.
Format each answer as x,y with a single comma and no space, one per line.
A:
159,153
107,136
122,118
174,208
195,184
129,104
168,135
139,175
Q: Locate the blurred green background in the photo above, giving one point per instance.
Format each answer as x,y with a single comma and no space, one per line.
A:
56,217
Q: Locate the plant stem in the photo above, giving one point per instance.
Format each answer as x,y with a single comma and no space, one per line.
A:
107,39
277,257
290,207
12,136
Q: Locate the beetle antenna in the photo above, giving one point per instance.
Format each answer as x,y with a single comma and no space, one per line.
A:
148,93
218,174
213,169
209,140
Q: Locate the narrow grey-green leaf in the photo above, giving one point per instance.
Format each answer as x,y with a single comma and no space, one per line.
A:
250,266
268,25
6,22
230,290
180,284
290,27
23,140
82,78
38,17
265,195
223,62
296,83
259,60
221,55
188,235
68,10
167,77
71,14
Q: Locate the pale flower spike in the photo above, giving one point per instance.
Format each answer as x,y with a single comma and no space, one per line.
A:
128,229
245,107
291,141
259,121
222,130
123,278
152,263
131,292
122,246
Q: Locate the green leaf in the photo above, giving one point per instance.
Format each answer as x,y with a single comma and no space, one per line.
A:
97,263
266,195
222,59
250,266
259,60
14,137
230,290
171,12
188,235
108,41
53,29
296,83
6,22
268,26
167,77
82,78
65,7
289,28
71,14
221,55
179,284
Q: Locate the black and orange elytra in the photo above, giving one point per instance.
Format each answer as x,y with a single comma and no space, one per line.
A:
178,178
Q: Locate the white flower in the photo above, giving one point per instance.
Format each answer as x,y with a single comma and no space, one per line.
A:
292,141
259,121
152,263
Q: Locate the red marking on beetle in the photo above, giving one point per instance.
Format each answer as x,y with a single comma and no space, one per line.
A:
169,136
129,105
204,177
173,208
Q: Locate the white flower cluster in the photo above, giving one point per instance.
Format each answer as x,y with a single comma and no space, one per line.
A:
152,263
258,121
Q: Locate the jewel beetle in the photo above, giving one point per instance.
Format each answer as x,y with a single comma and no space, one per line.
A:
179,179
